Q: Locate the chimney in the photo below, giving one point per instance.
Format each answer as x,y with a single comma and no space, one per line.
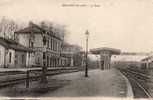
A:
30,24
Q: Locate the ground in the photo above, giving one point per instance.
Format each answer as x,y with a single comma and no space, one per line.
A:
107,83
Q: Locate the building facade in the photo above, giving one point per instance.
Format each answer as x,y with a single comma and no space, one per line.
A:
46,45
12,54
73,54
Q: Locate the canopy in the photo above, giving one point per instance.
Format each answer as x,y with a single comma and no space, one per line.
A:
111,50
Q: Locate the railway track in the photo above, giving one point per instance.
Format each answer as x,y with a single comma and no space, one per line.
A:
138,81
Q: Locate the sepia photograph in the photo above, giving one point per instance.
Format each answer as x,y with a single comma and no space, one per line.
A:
76,49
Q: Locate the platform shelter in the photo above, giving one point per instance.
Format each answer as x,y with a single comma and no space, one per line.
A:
105,55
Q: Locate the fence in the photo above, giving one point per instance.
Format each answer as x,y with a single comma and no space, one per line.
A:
12,77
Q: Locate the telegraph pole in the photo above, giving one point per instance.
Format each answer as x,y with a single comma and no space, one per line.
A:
86,67
44,67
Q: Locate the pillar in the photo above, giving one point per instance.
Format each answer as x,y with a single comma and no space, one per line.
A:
105,60
101,62
27,59
71,63
147,64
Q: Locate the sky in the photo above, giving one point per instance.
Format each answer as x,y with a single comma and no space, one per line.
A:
121,24
127,57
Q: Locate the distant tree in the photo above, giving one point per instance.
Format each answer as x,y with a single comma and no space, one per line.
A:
8,27
71,47
75,50
57,29
61,30
77,59
46,25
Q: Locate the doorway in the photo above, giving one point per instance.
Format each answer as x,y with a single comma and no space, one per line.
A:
102,64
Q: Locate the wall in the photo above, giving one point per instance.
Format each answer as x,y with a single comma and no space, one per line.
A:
64,61
32,59
38,58
105,58
19,60
8,63
24,39
38,40
2,50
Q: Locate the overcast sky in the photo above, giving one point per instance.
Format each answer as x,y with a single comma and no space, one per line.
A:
122,24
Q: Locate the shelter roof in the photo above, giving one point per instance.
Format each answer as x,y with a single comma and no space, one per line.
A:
111,50
35,29
12,44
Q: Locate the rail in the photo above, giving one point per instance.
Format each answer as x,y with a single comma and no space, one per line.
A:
133,76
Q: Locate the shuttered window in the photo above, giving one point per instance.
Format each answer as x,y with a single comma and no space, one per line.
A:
10,57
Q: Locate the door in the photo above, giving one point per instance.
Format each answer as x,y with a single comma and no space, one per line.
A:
102,64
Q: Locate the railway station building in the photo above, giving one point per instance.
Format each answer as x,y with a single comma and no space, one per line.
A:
46,45
105,56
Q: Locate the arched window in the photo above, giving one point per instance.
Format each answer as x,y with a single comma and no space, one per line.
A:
10,57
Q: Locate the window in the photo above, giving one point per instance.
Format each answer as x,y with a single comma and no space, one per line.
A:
47,43
10,57
0,57
16,58
16,62
38,60
44,40
44,56
54,45
32,44
50,61
47,60
51,44
22,59
57,46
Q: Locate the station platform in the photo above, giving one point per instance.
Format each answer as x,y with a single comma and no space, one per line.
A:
32,69
100,83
